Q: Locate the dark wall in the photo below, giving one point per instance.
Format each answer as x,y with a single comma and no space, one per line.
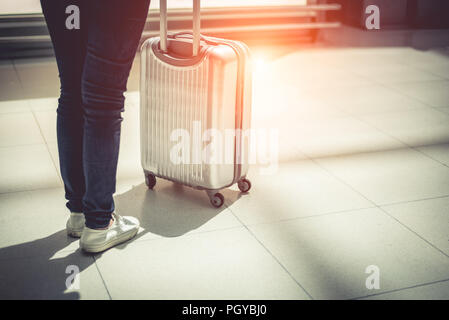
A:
428,13
421,14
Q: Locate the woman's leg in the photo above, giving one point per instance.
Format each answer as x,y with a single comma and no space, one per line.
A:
70,51
115,28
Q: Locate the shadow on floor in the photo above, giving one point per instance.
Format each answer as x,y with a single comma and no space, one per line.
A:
31,270
170,210
38,269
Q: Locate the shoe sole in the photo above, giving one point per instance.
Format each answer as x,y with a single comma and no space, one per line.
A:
74,233
123,238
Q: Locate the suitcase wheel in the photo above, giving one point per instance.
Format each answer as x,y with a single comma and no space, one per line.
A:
217,200
150,180
244,185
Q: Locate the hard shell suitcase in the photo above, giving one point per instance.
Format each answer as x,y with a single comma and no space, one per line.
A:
195,105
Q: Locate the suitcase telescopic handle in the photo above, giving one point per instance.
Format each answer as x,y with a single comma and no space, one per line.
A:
196,26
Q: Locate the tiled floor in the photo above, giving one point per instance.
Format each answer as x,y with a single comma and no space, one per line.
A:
362,179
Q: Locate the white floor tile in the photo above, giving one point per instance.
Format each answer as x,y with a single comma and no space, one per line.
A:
45,278
228,264
439,152
359,58
27,168
11,88
129,164
368,100
395,73
433,93
444,109
310,76
329,255
40,104
391,176
274,101
54,153
297,189
272,139
12,91
434,291
170,210
337,136
132,100
18,129
47,123
418,127
40,90
13,106
439,69
337,105
428,58
428,218
38,77
37,70
32,224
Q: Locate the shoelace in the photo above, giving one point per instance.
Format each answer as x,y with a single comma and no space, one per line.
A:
118,218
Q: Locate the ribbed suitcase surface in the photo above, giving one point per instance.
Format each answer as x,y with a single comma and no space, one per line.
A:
193,111
175,98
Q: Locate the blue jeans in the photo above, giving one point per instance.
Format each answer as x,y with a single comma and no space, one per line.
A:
94,62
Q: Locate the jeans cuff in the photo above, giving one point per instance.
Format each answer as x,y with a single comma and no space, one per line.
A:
97,220
75,205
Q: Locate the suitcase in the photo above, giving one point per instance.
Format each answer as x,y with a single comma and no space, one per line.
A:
195,109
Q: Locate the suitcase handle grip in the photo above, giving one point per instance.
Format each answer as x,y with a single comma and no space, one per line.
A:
196,26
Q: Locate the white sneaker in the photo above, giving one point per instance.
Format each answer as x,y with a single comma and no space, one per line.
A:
121,230
75,224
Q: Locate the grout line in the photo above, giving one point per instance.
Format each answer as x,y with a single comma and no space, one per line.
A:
314,160
415,200
411,230
401,289
429,156
188,234
308,216
32,256
37,123
42,109
102,279
17,73
405,143
348,154
392,88
137,240
380,208
342,211
22,145
62,186
14,112
31,190
38,189
272,255
420,68
48,148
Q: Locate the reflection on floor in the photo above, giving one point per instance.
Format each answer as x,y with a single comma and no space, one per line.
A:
362,180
